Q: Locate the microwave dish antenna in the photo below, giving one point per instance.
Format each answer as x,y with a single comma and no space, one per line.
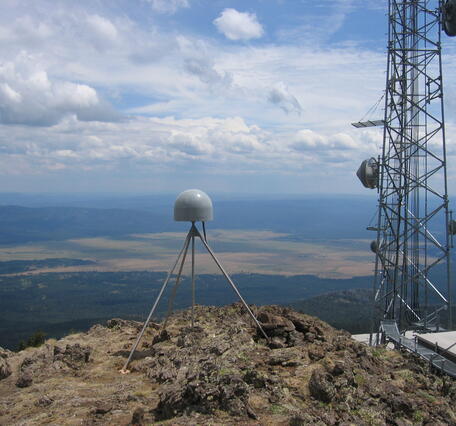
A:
449,17
368,173
191,206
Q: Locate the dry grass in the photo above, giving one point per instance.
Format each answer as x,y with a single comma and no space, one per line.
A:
263,252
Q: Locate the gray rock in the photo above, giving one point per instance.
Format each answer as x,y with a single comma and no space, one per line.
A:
74,356
102,408
118,323
137,418
255,379
310,337
275,325
24,380
321,387
163,336
44,401
287,357
204,394
277,343
5,369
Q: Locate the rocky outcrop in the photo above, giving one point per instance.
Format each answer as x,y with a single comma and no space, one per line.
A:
222,371
73,356
5,369
43,362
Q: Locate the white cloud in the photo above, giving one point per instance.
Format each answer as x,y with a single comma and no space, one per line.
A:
239,25
8,95
281,96
202,68
223,145
104,31
309,140
27,96
205,150
199,61
168,6
25,29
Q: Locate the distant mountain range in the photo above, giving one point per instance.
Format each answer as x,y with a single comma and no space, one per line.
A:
24,224
312,217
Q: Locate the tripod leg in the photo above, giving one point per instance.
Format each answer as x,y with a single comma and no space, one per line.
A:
193,280
124,369
232,284
176,286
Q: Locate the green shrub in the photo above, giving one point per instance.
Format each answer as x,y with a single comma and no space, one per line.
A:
35,340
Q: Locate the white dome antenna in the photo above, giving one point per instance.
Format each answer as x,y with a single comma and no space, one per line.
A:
192,206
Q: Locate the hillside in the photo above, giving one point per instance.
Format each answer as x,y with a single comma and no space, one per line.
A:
220,372
34,302
347,309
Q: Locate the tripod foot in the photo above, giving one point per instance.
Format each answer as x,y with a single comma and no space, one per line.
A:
123,371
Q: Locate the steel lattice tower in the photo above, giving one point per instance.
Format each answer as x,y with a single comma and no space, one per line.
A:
412,269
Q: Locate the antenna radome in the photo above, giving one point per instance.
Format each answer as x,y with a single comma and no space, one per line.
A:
193,205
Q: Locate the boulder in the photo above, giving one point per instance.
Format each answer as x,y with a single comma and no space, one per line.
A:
163,336
5,369
321,386
44,401
24,380
102,408
137,419
74,356
275,325
286,357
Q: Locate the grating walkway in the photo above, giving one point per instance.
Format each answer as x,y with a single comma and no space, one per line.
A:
389,327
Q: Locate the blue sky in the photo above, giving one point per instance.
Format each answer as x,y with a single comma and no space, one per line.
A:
161,95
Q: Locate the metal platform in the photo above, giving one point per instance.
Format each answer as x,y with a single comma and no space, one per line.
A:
433,357
369,123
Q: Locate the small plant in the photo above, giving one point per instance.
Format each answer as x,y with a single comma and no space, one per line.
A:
405,374
418,416
277,409
359,379
243,356
35,340
225,372
430,398
368,417
379,353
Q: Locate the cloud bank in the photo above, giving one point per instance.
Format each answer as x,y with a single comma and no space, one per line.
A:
137,89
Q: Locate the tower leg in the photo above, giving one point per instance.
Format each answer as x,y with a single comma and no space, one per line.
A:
160,294
193,278
230,281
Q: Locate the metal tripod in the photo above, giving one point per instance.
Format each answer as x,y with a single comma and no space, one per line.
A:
192,233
